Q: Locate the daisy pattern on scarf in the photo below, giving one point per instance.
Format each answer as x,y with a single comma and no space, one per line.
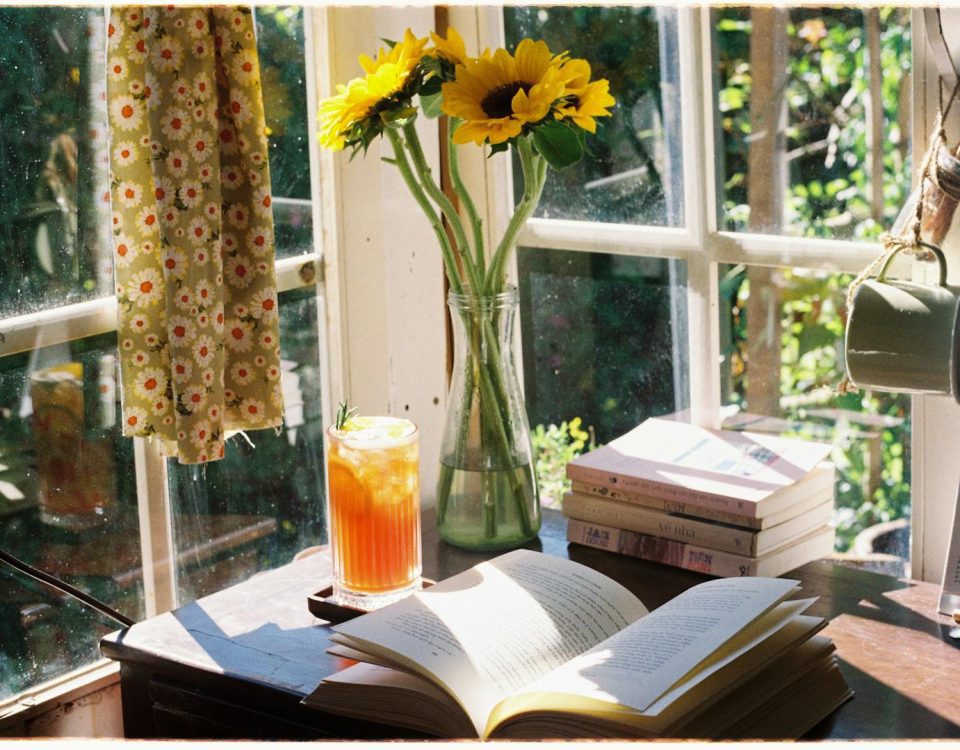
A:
187,125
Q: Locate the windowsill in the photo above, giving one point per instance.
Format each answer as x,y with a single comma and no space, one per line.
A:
57,692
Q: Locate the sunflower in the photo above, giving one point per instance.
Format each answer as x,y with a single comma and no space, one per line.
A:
337,115
381,90
583,99
451,49
496,95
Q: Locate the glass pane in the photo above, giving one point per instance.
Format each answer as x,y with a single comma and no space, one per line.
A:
54,225
260,505
604,340
67,505
814,107
782,337
281,45
633,171
53,221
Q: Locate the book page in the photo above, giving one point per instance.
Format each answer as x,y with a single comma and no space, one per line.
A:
501,625
638,665
365,692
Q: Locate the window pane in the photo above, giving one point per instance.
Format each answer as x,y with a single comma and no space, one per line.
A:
632,173
53,225
814,106
67,505
603,340
280,42
782,335
257,507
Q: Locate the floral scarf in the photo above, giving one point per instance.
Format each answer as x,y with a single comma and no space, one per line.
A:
192,228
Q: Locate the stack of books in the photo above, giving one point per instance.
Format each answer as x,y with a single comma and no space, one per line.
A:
718,502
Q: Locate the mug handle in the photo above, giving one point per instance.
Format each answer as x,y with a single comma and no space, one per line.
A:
882,276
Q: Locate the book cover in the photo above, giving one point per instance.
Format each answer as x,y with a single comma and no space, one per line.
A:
745,473
702,532
812,546
817,488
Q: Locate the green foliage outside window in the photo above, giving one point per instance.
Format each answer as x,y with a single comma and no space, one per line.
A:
828,160
828,101
828,195
555,446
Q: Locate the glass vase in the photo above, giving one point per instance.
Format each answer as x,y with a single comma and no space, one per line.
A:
487,495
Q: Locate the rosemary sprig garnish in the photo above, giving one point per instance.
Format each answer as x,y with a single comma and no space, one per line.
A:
344,415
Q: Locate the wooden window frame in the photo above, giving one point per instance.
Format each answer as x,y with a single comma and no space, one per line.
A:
704,246
99,316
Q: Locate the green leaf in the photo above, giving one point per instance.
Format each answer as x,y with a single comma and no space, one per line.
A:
432,105
730,24
397,118
430,87
815,337
344,414
367,136
558,144
499,148
432,65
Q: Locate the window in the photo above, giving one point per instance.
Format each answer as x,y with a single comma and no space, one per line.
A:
77,499
720,324
642,271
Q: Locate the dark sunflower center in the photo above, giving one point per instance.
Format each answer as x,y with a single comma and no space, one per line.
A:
498,102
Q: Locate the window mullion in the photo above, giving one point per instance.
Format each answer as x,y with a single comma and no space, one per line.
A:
323,193
57,325
837,256
603,237
703,328
156,528
934,419
297,272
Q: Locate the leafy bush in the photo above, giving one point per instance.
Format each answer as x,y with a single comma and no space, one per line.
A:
554,447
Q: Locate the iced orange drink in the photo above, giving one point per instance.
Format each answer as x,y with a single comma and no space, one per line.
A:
76,469
374,502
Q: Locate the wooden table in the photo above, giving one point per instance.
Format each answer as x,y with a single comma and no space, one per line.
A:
237,663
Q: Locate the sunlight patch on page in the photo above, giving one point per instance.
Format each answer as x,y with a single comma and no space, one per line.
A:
459,633
645,660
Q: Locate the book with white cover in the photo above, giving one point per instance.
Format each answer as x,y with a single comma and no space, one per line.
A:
750,474
819,484
702,532
811,546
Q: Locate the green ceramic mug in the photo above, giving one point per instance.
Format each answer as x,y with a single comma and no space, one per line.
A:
903,336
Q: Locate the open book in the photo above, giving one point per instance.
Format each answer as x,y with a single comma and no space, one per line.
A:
532,646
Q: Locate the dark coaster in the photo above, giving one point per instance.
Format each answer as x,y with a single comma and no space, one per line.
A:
322,605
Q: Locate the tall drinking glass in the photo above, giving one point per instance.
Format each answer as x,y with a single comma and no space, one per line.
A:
373,478
76,469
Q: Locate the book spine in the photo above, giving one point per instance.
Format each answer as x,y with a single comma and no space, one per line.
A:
666,506
644,521
661,491
659,550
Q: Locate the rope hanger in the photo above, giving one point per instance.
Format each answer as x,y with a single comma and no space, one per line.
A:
911,241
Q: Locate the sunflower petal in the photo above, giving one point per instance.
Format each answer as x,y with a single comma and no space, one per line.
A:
532,59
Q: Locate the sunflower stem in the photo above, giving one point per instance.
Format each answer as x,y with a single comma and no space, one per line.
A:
446,207
403,165
476,223
534,169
